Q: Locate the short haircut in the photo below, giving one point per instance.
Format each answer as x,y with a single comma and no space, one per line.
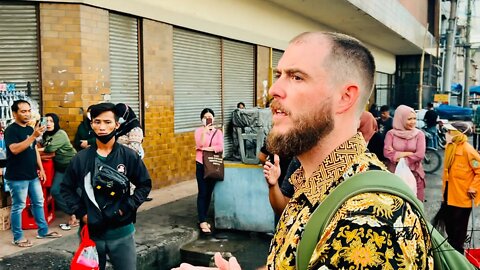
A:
206,110
429,105
348,58
240,103
16,103
100,108
385,108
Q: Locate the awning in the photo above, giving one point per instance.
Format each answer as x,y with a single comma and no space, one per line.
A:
475,89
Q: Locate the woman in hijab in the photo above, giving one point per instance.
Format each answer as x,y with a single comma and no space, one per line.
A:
406,141
130,132
461,181
369,129
368,125
55,140
84,136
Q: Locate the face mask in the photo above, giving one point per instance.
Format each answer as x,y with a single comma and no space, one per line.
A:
105,138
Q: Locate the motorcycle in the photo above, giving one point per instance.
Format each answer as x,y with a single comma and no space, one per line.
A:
432,160
441,131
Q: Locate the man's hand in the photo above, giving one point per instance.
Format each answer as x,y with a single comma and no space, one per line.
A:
472,193
221,263
38,130
84,144
42,176
272,171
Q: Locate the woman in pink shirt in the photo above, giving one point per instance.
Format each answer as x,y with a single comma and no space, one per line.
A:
207,138
406,141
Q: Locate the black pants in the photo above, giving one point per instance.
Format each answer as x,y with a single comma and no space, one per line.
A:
204,197
456,226
476,140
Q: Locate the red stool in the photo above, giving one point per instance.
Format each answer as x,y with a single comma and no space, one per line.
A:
28,221
49,172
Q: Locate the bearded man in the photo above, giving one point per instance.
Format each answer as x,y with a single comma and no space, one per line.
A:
323,83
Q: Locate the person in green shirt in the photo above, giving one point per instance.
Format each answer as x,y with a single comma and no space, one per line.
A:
55,140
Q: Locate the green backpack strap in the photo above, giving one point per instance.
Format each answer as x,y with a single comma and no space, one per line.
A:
371,181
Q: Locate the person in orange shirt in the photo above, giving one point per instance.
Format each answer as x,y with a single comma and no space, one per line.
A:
461,181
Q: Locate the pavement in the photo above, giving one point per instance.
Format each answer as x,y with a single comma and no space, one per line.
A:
167,234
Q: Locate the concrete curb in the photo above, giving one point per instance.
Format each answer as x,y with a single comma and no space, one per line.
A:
161,231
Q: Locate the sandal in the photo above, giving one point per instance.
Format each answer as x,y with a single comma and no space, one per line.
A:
50,235
22,243
65,227
205,228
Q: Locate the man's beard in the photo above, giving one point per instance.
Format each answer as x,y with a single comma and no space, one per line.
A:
308,130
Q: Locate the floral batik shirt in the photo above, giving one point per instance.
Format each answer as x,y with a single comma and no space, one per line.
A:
369,231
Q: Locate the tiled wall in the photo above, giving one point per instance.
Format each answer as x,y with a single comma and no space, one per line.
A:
75,74
74,60
170,157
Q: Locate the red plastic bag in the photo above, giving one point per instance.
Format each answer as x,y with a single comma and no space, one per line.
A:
472,253
86,256
473,256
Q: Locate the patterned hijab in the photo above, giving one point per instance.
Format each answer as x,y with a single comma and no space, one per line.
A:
400,120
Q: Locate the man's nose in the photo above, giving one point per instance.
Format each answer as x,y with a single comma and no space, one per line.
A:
277,89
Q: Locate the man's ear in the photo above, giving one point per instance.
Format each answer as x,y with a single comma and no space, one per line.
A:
117,125
348,99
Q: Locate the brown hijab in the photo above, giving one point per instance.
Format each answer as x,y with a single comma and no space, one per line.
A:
368,125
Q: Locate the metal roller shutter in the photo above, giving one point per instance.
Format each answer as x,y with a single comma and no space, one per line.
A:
276,55
124,74
197,78
238,82
19,47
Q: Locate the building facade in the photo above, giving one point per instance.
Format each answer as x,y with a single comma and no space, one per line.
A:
170,59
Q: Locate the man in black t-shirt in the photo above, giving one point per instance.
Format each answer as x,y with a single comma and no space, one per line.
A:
431,119
21,173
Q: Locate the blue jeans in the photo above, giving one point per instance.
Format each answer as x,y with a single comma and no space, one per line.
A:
55,190
434,141
204,197
19,190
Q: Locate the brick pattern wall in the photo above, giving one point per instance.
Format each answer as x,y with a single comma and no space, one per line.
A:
74,58
169,157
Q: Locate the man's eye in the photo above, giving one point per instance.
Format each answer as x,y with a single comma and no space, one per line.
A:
297,78
277,75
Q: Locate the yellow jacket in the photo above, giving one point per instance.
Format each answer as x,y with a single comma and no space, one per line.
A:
464,173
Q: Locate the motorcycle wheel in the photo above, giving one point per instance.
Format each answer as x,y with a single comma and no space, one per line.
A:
432,161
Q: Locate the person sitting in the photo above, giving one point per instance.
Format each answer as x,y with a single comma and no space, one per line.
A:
84,136
55,140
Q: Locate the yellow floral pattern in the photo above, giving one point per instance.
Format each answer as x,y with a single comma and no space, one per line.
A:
370,231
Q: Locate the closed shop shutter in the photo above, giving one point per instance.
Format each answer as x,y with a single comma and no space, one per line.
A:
124,74
197,78
19,47
276,55
238,84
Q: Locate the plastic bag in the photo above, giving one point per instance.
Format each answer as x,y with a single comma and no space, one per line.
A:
403,171
86,256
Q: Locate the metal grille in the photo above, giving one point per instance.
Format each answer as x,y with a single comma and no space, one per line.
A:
197,77
124,74
19,47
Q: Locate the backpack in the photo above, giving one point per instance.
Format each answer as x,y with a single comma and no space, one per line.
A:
445,256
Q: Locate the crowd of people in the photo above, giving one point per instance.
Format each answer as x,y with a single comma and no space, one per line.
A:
323,83
92,178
